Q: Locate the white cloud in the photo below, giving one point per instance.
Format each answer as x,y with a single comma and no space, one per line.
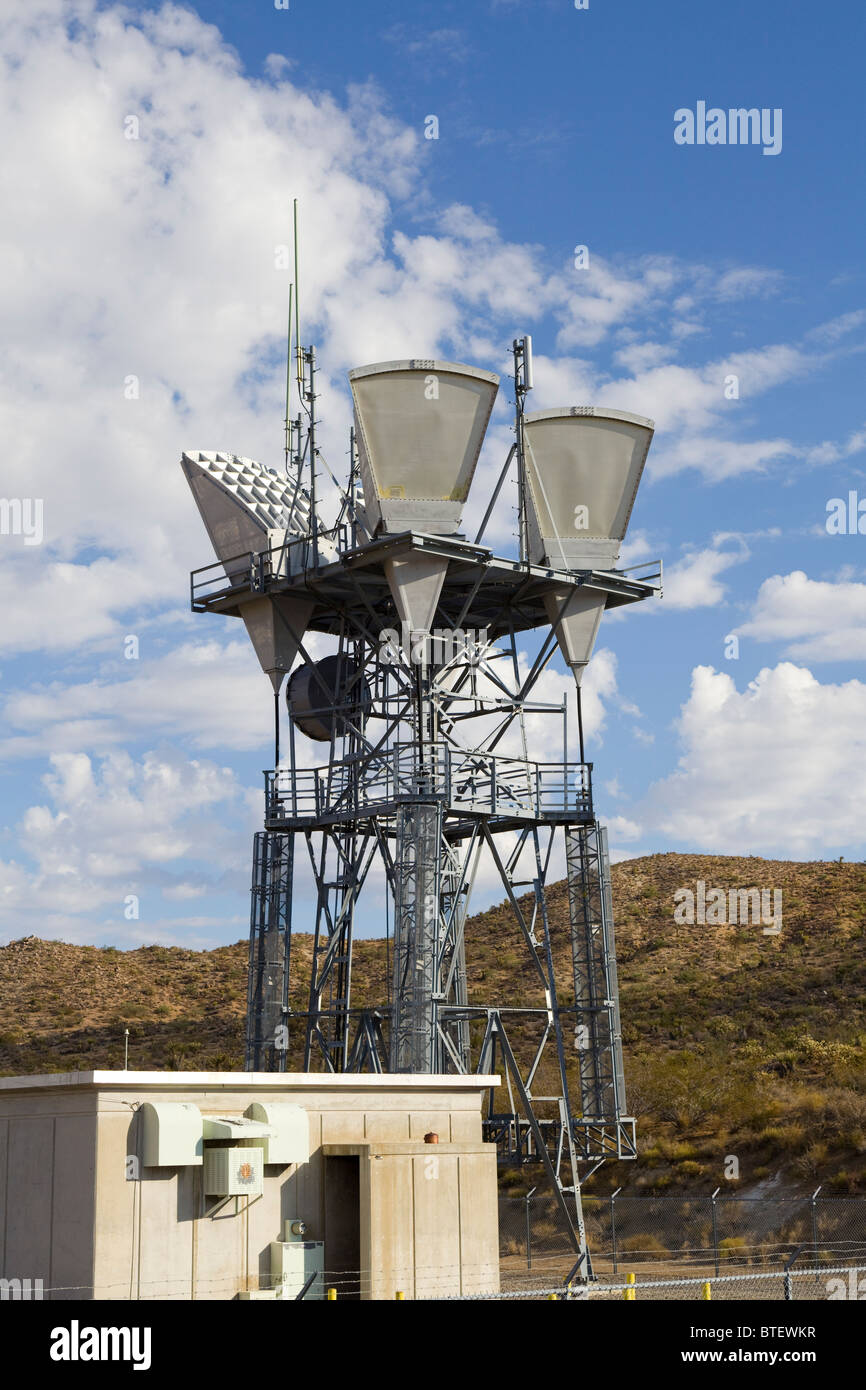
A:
748,282
831,451
638,356
437,47
173,237
834,329
158,262
213,695
768,770
621,828
816,620
693,581
119,827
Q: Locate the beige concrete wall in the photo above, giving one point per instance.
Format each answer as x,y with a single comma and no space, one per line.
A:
71,1203
429,1218
47,1168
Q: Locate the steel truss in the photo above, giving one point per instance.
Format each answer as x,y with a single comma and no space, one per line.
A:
428,771
270,946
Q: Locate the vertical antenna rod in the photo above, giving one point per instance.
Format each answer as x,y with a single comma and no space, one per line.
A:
300,364
353,480
288,438
522,349
309,357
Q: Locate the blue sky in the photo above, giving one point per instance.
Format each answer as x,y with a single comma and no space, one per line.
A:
152,260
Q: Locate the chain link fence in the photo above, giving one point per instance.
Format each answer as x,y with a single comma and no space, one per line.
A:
835,1282
712,1232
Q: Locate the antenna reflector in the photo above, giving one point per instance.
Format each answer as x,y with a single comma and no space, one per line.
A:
419,425
583,467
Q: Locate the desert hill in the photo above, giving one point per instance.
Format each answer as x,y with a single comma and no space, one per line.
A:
736,1042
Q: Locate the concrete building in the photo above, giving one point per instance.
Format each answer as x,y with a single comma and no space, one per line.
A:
220,1185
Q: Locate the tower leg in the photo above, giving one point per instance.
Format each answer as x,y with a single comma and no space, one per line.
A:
270,932
417,874
605,1130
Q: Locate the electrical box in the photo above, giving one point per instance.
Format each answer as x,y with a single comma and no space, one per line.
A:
234,1127
290,1131
233,1172
292,1263
171,1134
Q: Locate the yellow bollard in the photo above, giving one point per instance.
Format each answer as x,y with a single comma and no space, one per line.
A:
400,1295
628,1294
706,1292
551,1298
332,1294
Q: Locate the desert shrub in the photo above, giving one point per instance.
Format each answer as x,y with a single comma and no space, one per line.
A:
842,1182
676,1150
732,1246
783,1139
689,1169
645,1243
845,1108
721,1026
808,1163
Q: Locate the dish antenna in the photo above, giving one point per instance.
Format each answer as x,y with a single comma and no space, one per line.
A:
249,510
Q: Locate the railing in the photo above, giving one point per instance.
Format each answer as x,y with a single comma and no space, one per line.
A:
477,783
294,556
254,570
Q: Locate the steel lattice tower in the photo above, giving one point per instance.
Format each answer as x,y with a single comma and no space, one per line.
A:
425,711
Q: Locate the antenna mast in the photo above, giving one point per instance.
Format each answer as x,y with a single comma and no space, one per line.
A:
288,435
309,360
300,365
522,350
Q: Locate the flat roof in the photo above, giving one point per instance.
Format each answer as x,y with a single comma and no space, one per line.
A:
249,1080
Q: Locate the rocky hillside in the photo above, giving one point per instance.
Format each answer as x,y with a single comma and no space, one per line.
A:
736,1042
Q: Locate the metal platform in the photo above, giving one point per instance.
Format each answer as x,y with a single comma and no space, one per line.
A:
510,791
482,591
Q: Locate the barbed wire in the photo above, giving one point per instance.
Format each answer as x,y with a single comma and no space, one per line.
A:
361,1281
580,1293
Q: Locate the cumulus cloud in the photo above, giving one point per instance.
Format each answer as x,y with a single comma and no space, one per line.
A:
694,581
117,829
211,694
170,332
815,620
767,770
146,314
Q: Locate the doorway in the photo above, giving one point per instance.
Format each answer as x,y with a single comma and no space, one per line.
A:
343,1225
